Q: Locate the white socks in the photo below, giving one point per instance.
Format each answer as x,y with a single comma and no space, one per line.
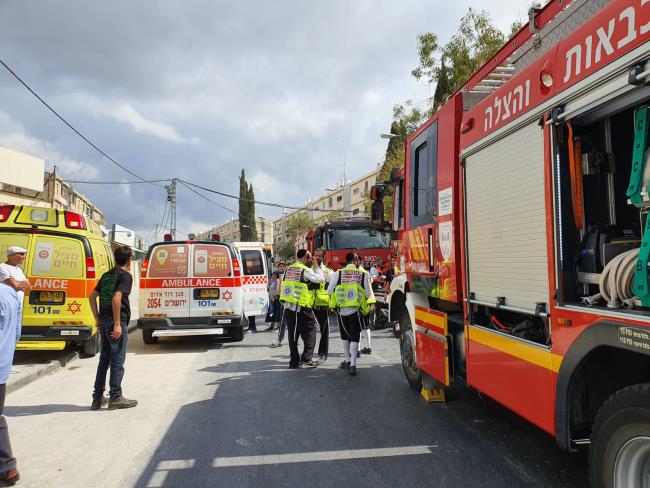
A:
346,351
354,347
367,332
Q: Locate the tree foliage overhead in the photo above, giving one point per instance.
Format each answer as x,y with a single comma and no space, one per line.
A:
452,64
247,227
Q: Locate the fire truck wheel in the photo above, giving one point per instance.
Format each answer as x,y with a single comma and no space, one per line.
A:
147,336
407,352
620,440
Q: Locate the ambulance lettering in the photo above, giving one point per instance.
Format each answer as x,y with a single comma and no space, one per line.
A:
49,283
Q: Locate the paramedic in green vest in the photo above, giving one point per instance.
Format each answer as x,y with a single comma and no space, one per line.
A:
349,292
368,312
321,309
298,302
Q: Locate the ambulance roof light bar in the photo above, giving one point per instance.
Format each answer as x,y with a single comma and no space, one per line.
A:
167,238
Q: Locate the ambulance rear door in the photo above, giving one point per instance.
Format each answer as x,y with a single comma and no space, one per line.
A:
165,291
254,280
215,289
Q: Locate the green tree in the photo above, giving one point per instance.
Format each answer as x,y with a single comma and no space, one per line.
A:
252,221
296,224
243,206
247,227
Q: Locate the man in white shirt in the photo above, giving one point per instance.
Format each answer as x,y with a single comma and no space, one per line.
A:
12,275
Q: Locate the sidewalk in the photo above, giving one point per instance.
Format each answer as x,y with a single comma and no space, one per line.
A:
30,365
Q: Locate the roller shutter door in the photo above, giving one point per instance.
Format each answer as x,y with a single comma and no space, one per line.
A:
506,220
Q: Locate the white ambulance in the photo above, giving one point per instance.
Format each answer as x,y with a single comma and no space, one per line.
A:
255,268
191,288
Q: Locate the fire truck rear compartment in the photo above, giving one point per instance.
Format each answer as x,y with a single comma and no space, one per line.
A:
598,255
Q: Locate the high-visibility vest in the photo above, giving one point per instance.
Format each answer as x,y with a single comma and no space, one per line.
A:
349,291
365,306
294,286
322,299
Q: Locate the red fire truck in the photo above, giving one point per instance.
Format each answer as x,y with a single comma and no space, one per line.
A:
522,213
333,240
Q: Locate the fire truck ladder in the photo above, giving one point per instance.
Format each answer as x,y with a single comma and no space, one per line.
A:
637,192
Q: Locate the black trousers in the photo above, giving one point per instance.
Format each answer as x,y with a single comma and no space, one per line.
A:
350,326
301,324
7,459
323,322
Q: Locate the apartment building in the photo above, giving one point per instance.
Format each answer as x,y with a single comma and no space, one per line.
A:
229,231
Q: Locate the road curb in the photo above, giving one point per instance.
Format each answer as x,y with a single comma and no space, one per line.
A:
40,371
19,380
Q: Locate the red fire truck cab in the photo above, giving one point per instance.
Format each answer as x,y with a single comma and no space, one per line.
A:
333,240
522,215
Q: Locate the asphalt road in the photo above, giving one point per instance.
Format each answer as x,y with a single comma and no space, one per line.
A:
233,415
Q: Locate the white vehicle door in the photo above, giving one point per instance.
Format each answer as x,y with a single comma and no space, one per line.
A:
254,281
165,282
214,288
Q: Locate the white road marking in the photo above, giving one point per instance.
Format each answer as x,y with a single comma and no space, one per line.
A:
319,456
157,479
175,464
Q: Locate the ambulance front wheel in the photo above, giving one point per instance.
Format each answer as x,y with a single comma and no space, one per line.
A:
407,352
620,440
147,336
237,334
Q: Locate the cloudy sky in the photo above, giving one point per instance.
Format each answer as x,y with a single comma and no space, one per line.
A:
200,89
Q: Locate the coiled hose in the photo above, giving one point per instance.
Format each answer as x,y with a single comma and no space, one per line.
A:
616,282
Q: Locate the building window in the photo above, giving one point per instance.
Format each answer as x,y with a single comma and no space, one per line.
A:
331,201
355,211
365,187
339,198
355,191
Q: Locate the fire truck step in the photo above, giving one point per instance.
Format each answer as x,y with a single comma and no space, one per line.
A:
436,395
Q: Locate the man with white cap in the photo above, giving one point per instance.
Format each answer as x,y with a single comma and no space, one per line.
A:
12,275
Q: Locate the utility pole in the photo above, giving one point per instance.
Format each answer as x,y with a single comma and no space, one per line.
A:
171,198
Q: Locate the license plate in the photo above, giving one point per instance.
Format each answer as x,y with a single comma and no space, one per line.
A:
47,297
69,332
206,294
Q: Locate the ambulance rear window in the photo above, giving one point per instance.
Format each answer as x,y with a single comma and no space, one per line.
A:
211,261
169,261
7,240
58,257
252,262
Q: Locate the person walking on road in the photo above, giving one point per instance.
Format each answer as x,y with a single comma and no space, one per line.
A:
11,274
321,310
281,323
349,291
298,301
112,321
10,325
367,312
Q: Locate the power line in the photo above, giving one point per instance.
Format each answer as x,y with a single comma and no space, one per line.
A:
13,73
77,182
259,202
213,202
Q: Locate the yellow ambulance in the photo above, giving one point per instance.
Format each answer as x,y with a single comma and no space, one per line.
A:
66,255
